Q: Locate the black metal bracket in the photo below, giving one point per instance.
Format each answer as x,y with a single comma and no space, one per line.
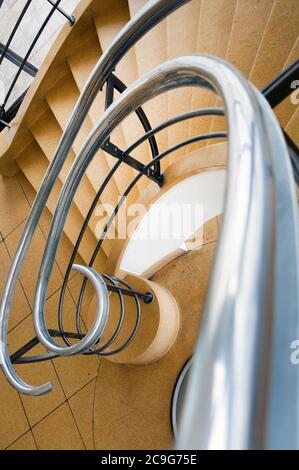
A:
116,152
147,297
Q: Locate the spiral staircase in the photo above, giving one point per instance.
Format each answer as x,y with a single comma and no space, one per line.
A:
61,124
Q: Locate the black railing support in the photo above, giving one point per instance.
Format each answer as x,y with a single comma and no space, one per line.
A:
116,152
113,82
147,297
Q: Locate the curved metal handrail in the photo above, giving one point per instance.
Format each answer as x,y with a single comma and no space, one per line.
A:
247,275
101,317
147,18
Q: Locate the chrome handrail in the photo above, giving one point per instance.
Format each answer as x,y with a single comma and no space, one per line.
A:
152,13
101,316
231,403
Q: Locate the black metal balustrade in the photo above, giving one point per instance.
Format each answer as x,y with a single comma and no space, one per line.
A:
113,284
6,115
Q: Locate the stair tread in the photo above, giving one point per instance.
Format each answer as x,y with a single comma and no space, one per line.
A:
280,35
150,51
215,24
81,66
61,100
47,133
110,18
250,21
182,31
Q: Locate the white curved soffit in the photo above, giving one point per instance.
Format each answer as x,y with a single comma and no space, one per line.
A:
183,209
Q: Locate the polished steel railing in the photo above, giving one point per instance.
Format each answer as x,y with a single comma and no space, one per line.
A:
243,387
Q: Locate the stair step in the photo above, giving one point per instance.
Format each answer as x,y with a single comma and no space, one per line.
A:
81,66
182,30
150,51
61,100
34,164
110,17
250,21
258,29
47,133
215,24
65,247
279,37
